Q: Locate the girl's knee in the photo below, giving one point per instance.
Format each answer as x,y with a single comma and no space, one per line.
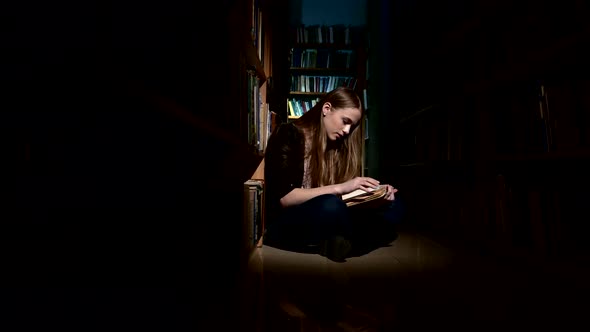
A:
332,204
395,212
333,215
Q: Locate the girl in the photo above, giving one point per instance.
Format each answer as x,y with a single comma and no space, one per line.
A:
309,164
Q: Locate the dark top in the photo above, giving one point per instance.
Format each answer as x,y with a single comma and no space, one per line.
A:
283,166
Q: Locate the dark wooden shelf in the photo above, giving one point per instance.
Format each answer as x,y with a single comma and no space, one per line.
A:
244,43
252,60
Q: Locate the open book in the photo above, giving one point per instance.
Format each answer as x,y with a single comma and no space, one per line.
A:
360,196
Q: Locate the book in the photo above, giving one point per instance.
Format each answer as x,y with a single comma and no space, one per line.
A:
254,214
361,197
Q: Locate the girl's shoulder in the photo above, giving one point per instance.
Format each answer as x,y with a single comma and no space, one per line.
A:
286,137
288,130
287,126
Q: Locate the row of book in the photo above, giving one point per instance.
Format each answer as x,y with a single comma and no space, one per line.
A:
298,107
260,118
339,34
320,83
322,58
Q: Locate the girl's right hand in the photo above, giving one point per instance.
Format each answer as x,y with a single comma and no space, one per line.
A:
360,182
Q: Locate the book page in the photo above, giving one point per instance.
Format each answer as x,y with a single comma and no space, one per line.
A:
368,199
359,192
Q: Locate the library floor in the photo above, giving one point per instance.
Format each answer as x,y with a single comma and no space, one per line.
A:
417,284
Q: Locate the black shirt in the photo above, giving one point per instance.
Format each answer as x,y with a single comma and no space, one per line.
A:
283,166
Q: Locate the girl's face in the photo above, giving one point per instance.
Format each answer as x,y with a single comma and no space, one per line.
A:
339,122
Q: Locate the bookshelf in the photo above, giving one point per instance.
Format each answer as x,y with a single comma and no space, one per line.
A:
321,58
259,24
500,128
253,58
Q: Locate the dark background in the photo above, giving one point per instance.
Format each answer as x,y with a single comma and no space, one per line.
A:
119,186
122,172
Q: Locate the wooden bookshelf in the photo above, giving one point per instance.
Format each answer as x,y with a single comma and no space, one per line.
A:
510,105
261,26
317,66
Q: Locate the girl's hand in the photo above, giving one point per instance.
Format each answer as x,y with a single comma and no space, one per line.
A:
390,192
360,182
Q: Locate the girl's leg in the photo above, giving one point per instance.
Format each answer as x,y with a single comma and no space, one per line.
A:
310,223
374,227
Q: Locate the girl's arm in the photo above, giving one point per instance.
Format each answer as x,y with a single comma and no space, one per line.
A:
300,195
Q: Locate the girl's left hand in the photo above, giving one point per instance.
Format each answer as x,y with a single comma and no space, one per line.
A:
390,193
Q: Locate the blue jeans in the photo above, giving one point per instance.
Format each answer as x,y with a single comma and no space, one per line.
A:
325,216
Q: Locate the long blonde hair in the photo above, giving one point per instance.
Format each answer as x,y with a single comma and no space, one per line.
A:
332,162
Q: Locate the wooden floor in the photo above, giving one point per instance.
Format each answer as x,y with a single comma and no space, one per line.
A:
416,284
413,284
